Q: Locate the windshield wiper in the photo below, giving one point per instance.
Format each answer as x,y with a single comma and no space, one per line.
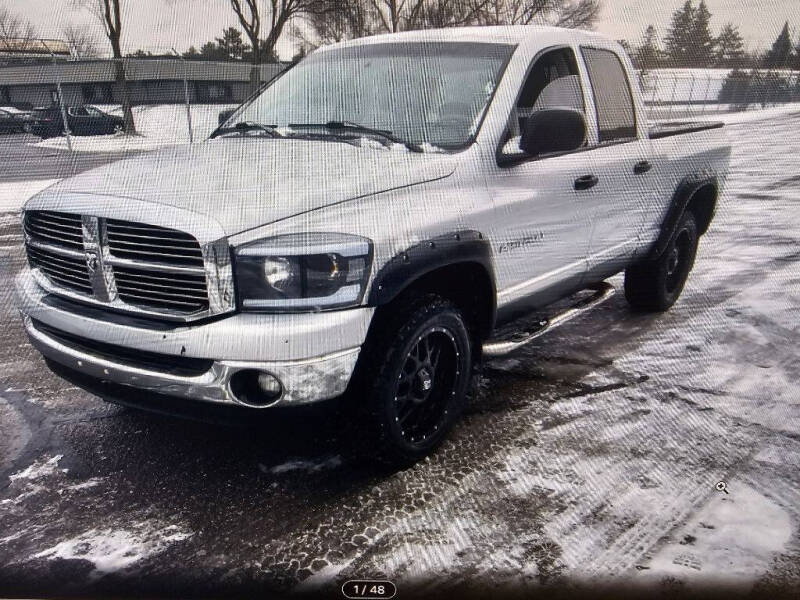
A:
245,126
356,128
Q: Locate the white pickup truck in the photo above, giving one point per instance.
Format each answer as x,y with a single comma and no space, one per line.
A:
365,224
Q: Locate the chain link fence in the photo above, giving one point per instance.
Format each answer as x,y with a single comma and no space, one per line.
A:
671,94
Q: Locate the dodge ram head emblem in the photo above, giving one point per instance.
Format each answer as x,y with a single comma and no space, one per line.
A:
91,262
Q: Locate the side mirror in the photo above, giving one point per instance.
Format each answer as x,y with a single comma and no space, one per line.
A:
553,130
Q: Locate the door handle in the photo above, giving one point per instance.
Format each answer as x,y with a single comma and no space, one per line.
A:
586,182
642,167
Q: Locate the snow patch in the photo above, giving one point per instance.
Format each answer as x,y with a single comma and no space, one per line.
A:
310,466
10,538
89,483
157,126
39,469
733,536
113,550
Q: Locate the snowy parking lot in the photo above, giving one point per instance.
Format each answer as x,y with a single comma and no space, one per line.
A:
589,458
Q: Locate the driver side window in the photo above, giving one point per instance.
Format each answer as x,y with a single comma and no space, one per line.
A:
553,82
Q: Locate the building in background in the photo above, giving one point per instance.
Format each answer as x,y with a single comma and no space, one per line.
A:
150,81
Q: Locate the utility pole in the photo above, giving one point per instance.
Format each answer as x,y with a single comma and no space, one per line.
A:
60,96
186,96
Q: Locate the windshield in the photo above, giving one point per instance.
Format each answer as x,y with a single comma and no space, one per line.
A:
423,93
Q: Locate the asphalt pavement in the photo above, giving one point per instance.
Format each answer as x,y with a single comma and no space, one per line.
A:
590,458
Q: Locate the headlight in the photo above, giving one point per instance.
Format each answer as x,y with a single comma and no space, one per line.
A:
313,271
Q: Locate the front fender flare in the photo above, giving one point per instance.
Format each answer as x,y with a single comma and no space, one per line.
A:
460,247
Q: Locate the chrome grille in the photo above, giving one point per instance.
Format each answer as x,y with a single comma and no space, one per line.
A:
68,271
62,229
148,242
182,292
128,265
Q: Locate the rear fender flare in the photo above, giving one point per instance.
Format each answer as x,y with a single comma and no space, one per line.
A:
680,200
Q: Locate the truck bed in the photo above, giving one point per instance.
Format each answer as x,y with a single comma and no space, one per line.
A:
668,129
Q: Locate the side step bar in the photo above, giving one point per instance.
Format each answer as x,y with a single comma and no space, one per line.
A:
501,347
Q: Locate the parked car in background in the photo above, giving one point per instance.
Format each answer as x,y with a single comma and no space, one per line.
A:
224,115
14,120
82,120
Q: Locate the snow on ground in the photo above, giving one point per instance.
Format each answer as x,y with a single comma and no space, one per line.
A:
112,550
310,466
157,126
13,194
730,540
112,547
39,469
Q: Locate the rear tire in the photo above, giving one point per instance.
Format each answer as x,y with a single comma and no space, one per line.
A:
655,285
412,379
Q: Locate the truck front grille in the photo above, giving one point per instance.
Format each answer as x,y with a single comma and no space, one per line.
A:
67,271
138,241
123,264
179,292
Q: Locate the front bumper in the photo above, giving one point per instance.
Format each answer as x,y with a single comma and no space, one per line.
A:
313,355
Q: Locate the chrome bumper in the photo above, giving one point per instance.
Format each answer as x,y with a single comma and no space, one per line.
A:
313,355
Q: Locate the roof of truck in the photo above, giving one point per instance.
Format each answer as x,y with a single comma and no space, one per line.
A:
502,34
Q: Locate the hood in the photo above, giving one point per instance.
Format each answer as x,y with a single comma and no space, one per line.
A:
242,183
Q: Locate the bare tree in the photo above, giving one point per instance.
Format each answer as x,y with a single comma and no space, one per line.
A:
580,14
15,33
81,43
269,17
347,19
339,20
109,13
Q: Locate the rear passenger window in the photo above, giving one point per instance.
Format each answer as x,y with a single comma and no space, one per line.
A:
612,95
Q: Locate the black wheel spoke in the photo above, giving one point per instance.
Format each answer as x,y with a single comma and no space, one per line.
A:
426,385
434,359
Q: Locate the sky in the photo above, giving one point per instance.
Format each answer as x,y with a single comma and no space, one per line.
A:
158,25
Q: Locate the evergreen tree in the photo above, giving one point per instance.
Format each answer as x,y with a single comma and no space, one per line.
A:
702,42
648,53
211,51
730,47
231,44
797,60
678,41
781,51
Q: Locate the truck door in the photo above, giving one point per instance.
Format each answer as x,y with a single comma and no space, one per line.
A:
541,227
618,162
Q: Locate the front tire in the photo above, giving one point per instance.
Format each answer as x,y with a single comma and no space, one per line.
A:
416,371
655,285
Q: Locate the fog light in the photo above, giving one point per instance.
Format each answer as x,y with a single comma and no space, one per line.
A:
255,388
269,385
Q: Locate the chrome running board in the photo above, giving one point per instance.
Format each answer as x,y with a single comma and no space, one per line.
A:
501,347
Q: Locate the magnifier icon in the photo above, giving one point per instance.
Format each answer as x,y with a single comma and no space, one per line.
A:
722,487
